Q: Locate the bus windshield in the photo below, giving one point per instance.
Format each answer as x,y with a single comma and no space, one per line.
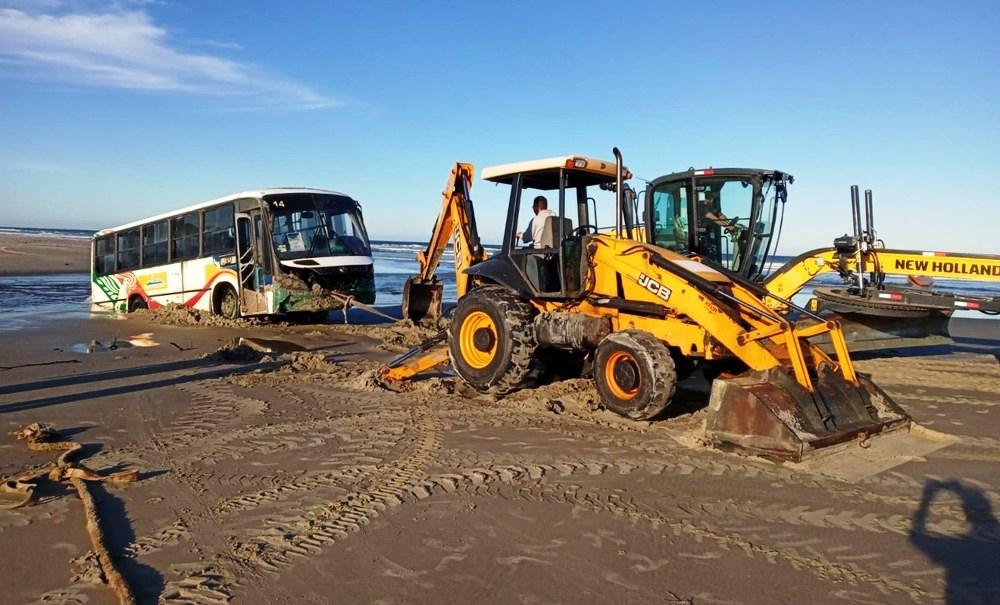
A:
306,225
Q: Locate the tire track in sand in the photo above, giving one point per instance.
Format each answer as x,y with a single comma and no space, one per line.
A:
502,482
285,538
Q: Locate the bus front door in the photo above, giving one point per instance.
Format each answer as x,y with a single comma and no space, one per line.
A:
252,299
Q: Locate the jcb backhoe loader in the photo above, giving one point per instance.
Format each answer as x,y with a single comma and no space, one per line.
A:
641,313
730,218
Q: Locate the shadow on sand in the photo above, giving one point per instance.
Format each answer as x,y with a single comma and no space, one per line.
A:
210,369
146,582
971,561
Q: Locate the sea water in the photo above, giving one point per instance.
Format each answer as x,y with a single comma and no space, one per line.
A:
25,300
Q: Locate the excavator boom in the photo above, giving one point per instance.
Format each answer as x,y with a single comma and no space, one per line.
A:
456,221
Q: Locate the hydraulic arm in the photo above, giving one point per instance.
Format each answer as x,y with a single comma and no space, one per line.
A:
456,221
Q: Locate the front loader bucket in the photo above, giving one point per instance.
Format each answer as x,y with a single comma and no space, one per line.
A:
770,414
422,300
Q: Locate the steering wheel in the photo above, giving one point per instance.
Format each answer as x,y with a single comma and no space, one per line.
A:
583,230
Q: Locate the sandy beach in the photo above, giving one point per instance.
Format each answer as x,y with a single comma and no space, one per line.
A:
31,255
297,479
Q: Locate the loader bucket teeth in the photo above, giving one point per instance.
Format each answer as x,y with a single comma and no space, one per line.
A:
422,300
770,414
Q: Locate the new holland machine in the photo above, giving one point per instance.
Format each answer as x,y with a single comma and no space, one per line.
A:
640,314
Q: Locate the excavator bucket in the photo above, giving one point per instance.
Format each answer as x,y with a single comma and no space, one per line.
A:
422,299
770,414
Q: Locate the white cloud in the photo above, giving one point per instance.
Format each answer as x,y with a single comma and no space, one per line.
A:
127,50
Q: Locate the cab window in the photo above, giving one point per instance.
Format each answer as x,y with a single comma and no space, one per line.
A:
723,207
670,216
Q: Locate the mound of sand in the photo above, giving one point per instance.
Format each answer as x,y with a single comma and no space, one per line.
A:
179,315
399,336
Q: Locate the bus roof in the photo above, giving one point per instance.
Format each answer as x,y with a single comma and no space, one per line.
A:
253,193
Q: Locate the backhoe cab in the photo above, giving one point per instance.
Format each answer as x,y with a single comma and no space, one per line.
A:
725,215
644,316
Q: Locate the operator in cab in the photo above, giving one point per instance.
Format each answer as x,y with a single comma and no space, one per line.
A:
532,235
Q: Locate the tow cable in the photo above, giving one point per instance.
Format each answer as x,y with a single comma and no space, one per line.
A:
42,437
347,301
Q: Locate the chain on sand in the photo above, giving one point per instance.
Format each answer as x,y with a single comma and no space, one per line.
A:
18,491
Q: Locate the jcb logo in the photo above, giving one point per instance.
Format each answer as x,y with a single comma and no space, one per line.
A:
654,286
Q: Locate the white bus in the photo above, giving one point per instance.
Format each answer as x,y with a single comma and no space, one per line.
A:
251,253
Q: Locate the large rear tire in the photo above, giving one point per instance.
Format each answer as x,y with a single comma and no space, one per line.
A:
635,374
492,341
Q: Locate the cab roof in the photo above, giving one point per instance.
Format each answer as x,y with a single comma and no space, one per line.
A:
544,173
719,172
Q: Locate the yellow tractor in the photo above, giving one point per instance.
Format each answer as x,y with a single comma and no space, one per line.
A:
640,314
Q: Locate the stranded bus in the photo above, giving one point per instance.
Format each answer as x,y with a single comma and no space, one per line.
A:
251,253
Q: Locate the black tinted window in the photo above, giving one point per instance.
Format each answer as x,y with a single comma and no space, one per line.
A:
218,232
104,255
184,237
128,250
154,244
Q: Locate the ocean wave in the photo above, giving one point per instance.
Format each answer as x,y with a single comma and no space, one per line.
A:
53,233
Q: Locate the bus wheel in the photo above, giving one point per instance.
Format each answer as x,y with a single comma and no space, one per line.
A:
135,303
227,303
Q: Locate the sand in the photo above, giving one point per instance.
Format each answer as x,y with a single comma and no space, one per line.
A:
32,255
289,476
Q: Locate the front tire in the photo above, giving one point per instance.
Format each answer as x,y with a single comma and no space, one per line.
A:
492,341
635,374
228,303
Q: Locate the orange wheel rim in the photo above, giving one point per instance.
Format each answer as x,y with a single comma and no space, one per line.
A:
477,338
611,378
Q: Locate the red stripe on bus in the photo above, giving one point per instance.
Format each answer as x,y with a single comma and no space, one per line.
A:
194,300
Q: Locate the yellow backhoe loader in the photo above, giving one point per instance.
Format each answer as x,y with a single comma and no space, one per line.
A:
640,312
729,218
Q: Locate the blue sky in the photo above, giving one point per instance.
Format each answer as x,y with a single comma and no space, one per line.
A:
111,111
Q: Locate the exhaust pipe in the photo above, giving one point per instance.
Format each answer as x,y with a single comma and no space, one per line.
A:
618,192
869,217
859,236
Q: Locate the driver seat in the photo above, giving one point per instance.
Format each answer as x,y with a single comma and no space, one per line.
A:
550,231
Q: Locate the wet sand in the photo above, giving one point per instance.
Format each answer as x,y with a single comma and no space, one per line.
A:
33,255
302,482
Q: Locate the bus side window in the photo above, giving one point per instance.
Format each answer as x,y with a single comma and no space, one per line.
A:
219,231
154,244
184,237
128,250
104,255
